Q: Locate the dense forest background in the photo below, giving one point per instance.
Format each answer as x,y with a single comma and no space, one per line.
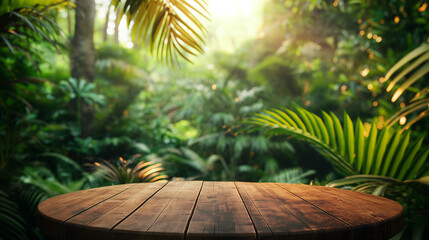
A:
314,92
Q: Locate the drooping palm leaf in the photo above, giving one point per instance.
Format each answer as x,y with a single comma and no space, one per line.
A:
47,182
289,175
418,67
172,29
13,225
26,22
349,148
365,183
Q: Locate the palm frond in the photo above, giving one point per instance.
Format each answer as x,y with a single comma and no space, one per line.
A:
289,175
172,29
45,180
349,148
195,165
23,24
13,225
128,171
418,67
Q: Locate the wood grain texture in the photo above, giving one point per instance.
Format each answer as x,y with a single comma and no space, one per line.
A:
164,216
53,212
96,222
199,210
220,214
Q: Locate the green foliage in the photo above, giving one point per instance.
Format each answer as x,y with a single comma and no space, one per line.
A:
81,89
190,121
351,149
47,182
12,224
23,23
291,175
278,74
184,162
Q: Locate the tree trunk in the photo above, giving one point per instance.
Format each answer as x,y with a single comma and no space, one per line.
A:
83,55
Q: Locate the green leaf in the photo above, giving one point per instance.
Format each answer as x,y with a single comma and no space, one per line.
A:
349,137
279,118
399,156
286,118
360,145
391,152
369,148
410,159
330,128
305,119
417,167
380,149
339,134
323,129
297,120
313,123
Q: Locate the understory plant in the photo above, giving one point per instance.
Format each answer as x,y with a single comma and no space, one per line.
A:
130,171
352,148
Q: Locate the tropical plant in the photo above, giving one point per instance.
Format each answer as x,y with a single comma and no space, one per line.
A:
130,171
418,65
81,90
24,21
48,183
289,175
351,150
8,146
11,222
184,162
170,28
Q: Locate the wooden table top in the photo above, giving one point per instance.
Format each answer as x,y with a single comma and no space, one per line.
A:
219,210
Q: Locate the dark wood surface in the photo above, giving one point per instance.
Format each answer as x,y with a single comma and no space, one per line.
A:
196,210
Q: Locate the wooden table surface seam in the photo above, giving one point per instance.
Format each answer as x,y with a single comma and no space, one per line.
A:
196,210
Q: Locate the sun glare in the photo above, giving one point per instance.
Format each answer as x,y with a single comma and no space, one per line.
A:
233,22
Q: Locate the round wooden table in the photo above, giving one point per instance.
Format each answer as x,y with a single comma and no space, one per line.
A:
219,210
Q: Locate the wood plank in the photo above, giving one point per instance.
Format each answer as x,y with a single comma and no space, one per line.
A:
283,224
52,215
95,223
173,221
220,214
363,223
325,226
385,210
137,224
263,231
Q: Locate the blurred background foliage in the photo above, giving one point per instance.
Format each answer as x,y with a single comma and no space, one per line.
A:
140,120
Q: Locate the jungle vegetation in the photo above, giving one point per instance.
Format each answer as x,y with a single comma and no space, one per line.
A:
323,92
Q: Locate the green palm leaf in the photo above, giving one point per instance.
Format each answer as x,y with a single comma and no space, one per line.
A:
22,21
365,183
171,29
351,151
13,225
